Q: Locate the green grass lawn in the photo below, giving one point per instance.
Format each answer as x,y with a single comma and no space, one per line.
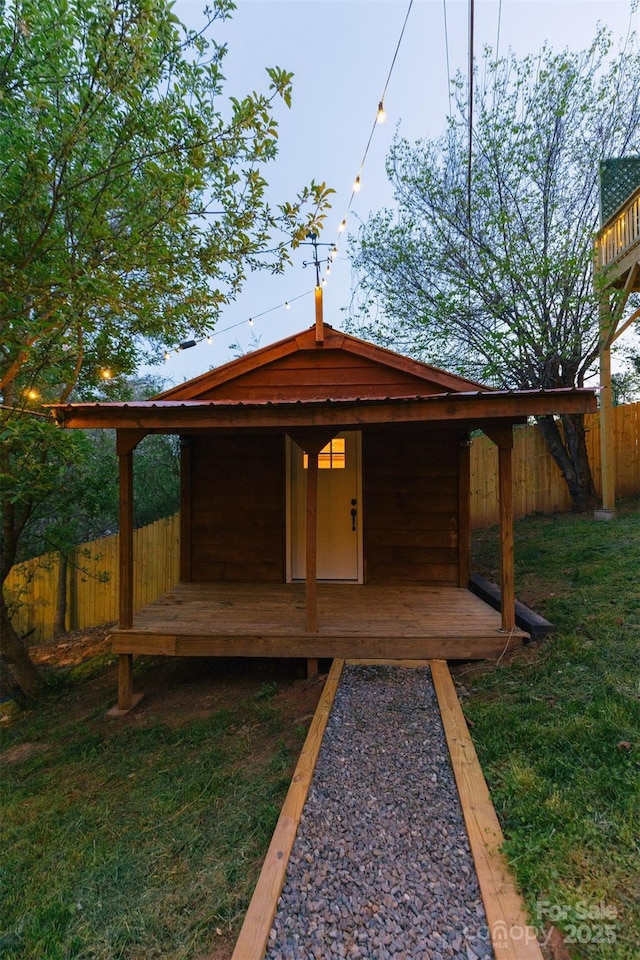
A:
140,839
558,730
143,838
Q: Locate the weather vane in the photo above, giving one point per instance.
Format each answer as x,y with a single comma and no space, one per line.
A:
313,241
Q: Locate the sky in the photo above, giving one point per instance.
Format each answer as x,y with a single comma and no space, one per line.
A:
341,54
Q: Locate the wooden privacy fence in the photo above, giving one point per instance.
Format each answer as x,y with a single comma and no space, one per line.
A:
538,485
92,577
92,580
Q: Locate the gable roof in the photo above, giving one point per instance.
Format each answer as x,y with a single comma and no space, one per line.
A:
341,367
343,383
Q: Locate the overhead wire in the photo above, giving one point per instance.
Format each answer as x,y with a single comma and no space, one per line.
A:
470,108
446,47
498,30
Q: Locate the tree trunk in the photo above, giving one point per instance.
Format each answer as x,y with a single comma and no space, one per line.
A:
16,658
9,689
570,453
60,615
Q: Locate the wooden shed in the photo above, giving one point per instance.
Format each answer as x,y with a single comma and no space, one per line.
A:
324,506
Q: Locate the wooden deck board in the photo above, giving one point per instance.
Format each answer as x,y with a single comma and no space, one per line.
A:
269,620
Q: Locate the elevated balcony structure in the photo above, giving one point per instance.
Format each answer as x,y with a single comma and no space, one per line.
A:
616,277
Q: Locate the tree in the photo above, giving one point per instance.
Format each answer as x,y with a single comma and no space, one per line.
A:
491,273
133,204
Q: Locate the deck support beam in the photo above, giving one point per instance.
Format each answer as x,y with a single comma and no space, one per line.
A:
607,452
125,681
612,305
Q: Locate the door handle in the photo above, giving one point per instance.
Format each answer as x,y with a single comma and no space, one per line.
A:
354,514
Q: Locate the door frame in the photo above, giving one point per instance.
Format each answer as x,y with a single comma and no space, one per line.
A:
289,445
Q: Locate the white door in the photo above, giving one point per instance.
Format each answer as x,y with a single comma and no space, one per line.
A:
339,538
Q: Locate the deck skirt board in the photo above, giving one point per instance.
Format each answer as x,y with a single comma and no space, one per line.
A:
268,620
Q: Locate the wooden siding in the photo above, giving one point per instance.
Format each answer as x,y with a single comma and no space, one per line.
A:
238,507
308,375
410,492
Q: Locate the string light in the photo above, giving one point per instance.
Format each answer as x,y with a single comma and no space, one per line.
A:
287,305
31,394
106,373
380,117
250,321
209,339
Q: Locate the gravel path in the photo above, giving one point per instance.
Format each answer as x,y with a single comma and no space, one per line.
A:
381,866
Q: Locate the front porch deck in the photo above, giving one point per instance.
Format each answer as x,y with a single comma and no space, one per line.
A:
400,621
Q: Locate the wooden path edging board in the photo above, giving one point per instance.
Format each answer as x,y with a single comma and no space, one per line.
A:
511,935
254,933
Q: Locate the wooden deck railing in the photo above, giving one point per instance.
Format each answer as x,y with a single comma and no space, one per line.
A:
619,233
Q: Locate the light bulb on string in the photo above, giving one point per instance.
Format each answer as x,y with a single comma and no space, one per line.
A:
209,339
356,184
381,115
167,355
250,321
343,226
287,305
106,373
31,394
333,253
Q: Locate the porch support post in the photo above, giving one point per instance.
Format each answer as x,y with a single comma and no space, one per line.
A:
125,462
126,442
312,442
464,511
502,436
506,538
311,538
185,510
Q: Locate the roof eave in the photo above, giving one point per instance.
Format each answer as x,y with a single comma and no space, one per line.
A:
209,415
